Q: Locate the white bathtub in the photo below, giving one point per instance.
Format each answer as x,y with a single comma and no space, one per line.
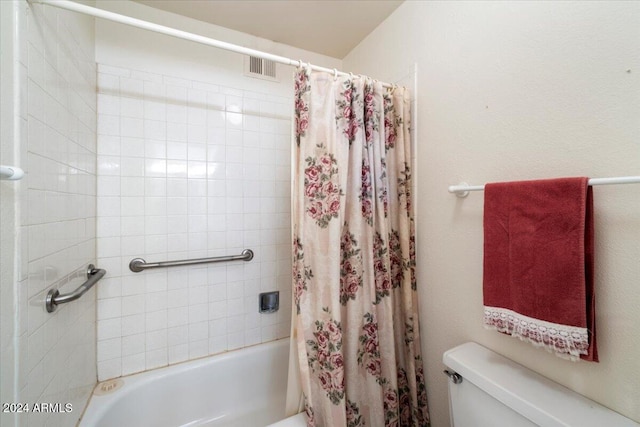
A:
242,388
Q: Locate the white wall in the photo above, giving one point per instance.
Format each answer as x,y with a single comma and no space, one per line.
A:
194,161
9,191
509,91
54,142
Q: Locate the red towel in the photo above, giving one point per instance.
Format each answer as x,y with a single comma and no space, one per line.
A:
538,264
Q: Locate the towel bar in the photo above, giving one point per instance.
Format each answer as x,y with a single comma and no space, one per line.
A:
463,189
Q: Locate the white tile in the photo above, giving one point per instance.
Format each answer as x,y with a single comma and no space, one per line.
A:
218,327
177,169
234,104
198,312
131,127
110,287
197,277
133,363
177,298
177,150
109,369
198,331
155,148
156,302
131,166
132,246
252,337
235,341
109,186
108,83
132,147
155,224
131,87
177,132
216,100
132,325
177,187
109,125
131,186
133,344
178,335
109,328
155,168
176,113
235,307
198,223
155,340
132,225
177,278
178,224
109,308
217,310
109,349
217,292
131,107
197,169
216,170
155,110
269,333
177,316
108,226
156,358
155,129
198,348
217,344
178,353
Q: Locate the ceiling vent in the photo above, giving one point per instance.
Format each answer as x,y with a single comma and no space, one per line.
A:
260,68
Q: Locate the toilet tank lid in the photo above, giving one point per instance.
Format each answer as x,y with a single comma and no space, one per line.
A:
533,396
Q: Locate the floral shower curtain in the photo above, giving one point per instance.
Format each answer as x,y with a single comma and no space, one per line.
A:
355,302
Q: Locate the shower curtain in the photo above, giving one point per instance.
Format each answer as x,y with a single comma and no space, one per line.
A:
355,305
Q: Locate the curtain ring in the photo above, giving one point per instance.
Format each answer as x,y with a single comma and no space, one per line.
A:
335,74
301,64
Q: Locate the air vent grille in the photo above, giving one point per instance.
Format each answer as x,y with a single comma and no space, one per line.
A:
260,68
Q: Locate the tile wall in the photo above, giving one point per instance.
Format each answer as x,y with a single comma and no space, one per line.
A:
57,210
189,169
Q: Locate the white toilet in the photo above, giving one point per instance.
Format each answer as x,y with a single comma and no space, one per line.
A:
489,390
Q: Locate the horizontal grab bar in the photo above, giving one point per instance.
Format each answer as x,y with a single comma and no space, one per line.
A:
54,298
138,264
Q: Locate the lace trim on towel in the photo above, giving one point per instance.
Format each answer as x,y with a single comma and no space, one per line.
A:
565,341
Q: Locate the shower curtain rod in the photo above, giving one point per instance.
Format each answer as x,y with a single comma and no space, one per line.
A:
139,23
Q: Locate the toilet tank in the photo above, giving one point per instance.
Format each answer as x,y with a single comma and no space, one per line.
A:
497,392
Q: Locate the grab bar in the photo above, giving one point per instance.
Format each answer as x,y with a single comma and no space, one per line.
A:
138,264
54,298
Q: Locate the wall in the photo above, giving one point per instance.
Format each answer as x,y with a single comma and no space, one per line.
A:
193,161
9,115
509,91
54,207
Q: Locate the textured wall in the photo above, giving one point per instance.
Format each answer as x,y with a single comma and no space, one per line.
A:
509,91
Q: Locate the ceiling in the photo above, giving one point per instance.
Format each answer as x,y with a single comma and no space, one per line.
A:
329,27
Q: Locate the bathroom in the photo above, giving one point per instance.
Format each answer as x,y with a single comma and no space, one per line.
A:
140,145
